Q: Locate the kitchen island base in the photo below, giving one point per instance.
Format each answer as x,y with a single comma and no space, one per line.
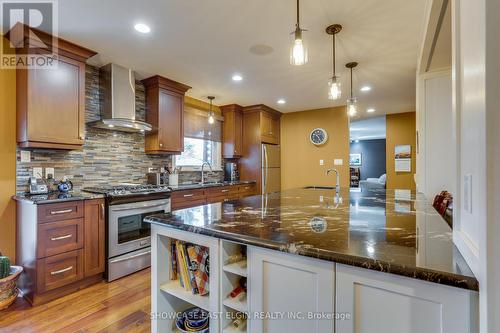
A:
293,293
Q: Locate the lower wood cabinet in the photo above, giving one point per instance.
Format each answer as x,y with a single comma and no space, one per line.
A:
381,302
61,247
292,285
197,197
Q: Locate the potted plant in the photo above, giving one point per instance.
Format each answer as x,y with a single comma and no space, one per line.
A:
8,278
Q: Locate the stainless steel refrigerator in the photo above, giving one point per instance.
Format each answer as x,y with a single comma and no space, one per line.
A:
271,168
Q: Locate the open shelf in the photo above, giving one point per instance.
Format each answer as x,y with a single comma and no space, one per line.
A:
238,268
174,288
235,304
231,329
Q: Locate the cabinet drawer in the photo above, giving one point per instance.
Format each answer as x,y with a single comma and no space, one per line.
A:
222,191
246,190
189,198
59,237
222,198
60,211
59,270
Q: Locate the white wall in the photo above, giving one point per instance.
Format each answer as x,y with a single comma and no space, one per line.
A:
476,76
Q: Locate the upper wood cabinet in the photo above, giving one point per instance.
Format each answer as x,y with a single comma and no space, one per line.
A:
51,102
269,123
232,131
165,112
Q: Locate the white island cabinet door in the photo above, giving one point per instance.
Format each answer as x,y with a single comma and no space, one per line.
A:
385,303
284,289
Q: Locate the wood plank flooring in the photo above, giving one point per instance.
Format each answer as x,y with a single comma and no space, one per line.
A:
120,306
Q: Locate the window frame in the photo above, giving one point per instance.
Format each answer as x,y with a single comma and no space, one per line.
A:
218,153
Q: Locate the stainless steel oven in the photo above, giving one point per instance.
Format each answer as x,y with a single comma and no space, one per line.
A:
129,238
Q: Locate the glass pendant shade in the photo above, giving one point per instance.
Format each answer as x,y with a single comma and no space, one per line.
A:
334,88
298,51
211,119
352,107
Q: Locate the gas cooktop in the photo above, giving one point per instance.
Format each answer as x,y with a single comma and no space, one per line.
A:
128,189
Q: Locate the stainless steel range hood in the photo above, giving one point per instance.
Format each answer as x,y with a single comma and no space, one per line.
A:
118,100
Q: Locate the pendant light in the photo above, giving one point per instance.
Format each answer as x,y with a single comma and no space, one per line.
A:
334,90
352,108
298,52
211,116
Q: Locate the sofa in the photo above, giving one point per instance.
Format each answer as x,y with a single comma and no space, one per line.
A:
372,183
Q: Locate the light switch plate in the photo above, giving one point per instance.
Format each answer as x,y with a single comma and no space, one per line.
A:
338,161
49,171
38,172
321,162
25,156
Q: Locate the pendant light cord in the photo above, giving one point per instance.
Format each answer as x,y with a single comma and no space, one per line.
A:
298,13
334,71
351,82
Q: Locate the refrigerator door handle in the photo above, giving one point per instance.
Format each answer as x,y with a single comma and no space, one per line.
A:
266,167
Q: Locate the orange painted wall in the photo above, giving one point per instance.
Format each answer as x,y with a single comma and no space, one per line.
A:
400,130
8,162
300,158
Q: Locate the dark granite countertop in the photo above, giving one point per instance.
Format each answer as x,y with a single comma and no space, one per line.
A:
53,197
393,231
182,187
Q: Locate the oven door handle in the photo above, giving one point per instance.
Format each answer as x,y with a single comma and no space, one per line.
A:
131,257
136,206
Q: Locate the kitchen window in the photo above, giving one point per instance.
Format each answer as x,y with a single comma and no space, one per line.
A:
202,142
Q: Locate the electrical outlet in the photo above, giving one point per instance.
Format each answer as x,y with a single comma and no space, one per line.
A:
38,172
321,162
338,161
25,156
49,171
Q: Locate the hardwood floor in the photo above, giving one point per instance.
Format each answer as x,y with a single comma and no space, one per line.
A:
119,306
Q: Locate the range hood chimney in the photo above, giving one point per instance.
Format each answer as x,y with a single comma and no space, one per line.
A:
118,100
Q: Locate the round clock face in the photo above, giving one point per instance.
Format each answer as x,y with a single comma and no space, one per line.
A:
318,136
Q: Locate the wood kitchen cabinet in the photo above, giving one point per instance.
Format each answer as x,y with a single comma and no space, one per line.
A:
165,112
61,247
51,102
232,131
95,233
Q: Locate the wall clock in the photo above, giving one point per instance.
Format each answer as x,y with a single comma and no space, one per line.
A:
318,136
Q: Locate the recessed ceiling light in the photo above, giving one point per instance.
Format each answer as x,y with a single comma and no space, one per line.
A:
366,88
142,28
237,77
370,110
281,101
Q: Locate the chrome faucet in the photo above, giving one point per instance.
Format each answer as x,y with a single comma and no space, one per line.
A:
203,171
337,186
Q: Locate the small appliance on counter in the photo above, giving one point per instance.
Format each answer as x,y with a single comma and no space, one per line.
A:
157,177
38,186
231,173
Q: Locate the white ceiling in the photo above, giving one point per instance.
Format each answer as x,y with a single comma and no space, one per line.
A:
202,43
368,129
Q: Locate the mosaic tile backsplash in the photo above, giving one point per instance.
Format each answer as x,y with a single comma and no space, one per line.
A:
107,157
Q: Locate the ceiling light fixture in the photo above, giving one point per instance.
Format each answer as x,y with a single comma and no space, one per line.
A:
298,52
366,88
211,116
352,108
334,90
142,28
281,101
237,77
370,110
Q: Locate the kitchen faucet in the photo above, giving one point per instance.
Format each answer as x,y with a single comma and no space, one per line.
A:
337,186
203,171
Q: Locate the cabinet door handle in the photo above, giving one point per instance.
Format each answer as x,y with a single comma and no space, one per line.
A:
224,190
188,195
61,237
103,213
61,270
64,211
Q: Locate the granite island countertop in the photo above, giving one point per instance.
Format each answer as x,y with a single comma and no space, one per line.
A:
392,231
